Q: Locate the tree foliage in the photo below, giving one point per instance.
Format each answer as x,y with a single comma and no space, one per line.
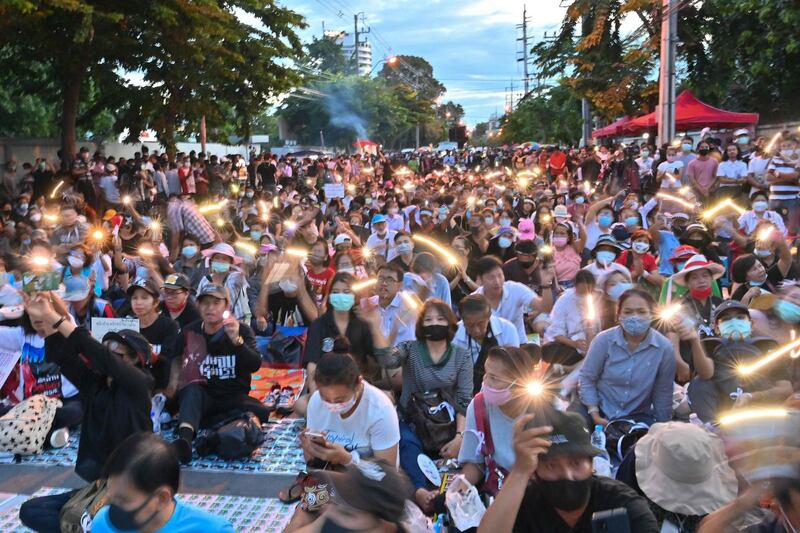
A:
415,73
553,116
326,55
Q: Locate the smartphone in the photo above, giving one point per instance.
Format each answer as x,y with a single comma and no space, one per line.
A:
316,438
40,281
611,521
541,407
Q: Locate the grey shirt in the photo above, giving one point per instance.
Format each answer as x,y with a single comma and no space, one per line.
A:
622,383
454,376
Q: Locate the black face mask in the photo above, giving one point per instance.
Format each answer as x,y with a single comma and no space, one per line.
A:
437,332
525,264
566,494
474,229
126,520
696,243
703,151
678,230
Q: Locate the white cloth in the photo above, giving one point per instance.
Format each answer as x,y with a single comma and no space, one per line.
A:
515,301
567,317
406,329
382,246
504,332
601,273
593,232
750,219
676,169
372,426
735,170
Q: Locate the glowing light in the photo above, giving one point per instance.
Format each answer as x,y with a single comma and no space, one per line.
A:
720,206
226,315
98,235
364,284
220,222
126,199
471,201
535,388
764,234
591,313
753,414
366,252
438,248
211,208
40,260
50,218
547,218
55,189
275,202
246,247
684,203
146,251
351,188
768,358
297,252
235,188
669,312
411,299
291,225
546,249
772,142
524,183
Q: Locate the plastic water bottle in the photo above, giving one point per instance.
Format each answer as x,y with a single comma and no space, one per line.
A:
694,419
601,463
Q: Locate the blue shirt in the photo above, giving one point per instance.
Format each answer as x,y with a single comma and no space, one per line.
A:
622,383
665,248
185,519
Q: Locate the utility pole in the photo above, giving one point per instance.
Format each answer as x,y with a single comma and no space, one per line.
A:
524,40
666,79
586,114
355,44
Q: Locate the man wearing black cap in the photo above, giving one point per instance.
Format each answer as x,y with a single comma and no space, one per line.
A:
550,488
219,356
178,301
524,268
736,347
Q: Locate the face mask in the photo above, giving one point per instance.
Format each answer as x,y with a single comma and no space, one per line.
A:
735,329
287,286
632,221
634,325
488,220
645,153
744,139
36,217
616,291
348,270
75,262
787,153
26,242
605,220
475,230
559,241
604,257
496,397
126,520
504,242
696,243
189,251
700,294
255,235
525,264
437,332
755,283
566,494
404,248
641,247
763,253
342,301
603,156
393,210
703,151
220,267
670,158
505,221
580,200
23,208
759,206
686,147
338,408
787,311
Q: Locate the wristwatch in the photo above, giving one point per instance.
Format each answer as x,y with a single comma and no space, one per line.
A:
60,321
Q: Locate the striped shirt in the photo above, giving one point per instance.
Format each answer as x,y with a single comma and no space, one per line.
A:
782,191
453,377
183,216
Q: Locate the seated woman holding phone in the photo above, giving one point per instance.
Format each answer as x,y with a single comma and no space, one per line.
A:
348,420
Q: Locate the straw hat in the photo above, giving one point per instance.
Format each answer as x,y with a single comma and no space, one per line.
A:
683,468
698,262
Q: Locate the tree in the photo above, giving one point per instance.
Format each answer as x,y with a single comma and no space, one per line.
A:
326,55
553,116
413,72
450,112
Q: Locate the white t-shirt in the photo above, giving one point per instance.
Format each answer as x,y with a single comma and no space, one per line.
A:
514,303
676,169
593,232
735,170
382,246
372,426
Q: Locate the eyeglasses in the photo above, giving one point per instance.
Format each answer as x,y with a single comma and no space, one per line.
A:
387,280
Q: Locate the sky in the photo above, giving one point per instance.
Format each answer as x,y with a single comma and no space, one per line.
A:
470,43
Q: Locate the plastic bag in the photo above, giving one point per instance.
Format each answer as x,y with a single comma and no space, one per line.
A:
465,506
414,520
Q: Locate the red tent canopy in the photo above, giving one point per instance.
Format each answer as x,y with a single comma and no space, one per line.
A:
615,128
691,113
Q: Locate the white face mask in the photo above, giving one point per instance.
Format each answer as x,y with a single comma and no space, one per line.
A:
339,408
75,262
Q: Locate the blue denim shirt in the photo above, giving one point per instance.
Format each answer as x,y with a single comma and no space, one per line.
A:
622,383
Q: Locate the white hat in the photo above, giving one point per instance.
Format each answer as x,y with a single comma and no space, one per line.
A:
741,131
560,211
698,262
683,469
341,239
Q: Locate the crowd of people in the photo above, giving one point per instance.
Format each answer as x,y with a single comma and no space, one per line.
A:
489,308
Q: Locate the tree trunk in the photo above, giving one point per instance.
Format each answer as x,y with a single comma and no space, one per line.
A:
71,94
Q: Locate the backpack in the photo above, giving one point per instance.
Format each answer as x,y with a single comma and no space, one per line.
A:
235,438
77,514
622,434
433,418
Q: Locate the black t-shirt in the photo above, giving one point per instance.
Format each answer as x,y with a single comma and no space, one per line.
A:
728,356
513,271
267,173
537,516
323,332
163,337
189,314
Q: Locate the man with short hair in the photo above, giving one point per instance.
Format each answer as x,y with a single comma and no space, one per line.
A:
398,319
183,216
178,301
70,231
213,375
551,489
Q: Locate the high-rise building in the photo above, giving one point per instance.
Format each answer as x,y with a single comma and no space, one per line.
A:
364,58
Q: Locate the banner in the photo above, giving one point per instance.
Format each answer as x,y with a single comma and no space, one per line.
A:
101,326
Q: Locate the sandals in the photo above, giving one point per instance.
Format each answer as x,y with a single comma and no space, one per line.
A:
295,491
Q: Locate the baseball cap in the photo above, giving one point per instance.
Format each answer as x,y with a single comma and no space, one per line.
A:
133,340
729,305
76,288
378,218
146,284
109,214
375,487
569,436
741,131
526,229
177,281
217,291
341,239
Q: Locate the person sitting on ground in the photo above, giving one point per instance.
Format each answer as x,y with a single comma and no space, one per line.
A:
571,328
737,346
487,454
115,391
178,301
143,481
629,370
479,331
683,472
212,376
550,488
612,288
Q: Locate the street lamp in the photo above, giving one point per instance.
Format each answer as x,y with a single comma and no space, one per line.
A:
391,60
